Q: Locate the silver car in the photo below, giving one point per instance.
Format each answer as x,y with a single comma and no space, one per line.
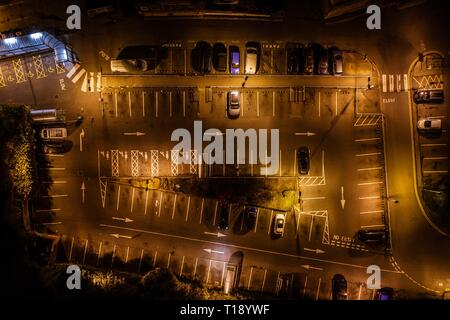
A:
429,124
251,58
233,104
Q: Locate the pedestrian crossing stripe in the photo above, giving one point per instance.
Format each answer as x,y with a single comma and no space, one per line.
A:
394,83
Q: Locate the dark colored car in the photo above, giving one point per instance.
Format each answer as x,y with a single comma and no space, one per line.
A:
250,217
53,148
429,96
201,57
323,63
224,215
220,57
339,287
296,61
372,236
385,293
235,60
303,155
309,61
335,61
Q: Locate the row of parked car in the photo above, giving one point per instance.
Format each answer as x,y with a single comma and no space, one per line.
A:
429,125
310,59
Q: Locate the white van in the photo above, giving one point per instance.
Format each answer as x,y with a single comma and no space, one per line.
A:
53,133
230,279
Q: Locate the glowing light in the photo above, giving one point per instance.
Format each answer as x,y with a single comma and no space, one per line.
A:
10,41
36,35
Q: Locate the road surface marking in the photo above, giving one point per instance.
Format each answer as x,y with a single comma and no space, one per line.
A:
295,162
373,294
405,82
174,205
52,168
319,104
215,213
187,208
140,260
298,221
242,247
170,104
115,102
146,201
383,78
264,280
437,171
359,292
55,196
160,203
435,158
367,169
314,198
273,104
143,104
399,82
304,287
85,250
391,83
154,259
367,154
257,103
55,182
257,216
128,252
280,164
99,252
132,200
223,273
156,104
434,145
437,117
369,183
250,278
118,198
184,104
71,248
181,268
51,155
373,211
310,228
374,226
113,255
366,139
129,102
318,289
336,104
209,269
369,197
195,268
168,260
270,221
201,211
47,210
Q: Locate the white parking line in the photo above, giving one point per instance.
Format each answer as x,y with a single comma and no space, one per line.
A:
47,210
168,260
115,102
370,197
250,278
373,211
128,253
129,102
160,203
435,158
437,117
319,104
118,198
367,169
367,154
99,251
85,250
264,280
273,104
187,208
55,196
435,171
359,293
215,213
374,226
298,222
195,268
143,104
154,258
383,78
270,221
174,205
182,264
257,103
318,289
209,269
53,168
55,182
367,139
373,294
257,216
51,155
201,211
146,202
223,273
434,145
170,103
184,103
336,103
314,198
369,183
113,255
304,287
140,260
71,248
156,104
132,200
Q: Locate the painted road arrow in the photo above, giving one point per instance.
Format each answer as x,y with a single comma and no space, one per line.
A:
83,187
213,251
117,236
134,134
314,250
81,140
309,134
126,220
342,197
218,234
307,267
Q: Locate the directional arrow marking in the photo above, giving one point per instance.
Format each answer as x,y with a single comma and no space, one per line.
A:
314,250
117,236
307,267
134,134
342,197
126,220
309,134
218,234
213,251
83,187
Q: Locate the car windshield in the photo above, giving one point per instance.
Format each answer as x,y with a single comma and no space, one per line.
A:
280,223
251,51
427,124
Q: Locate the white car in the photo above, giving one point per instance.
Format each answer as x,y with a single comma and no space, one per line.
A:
233,104
428,124
53,133
278,224
251,58
129,65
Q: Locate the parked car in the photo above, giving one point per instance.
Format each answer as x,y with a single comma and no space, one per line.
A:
235,60
233,104
372,236
278,225
251,57
303,159
295,63
53,148
336,62
323,63
138,58
429,96
201,57
429,124
309,61
220,57
53,133
385,293
339,287
317,56
224,215
250,215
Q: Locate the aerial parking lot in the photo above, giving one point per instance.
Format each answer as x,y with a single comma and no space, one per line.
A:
248,152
